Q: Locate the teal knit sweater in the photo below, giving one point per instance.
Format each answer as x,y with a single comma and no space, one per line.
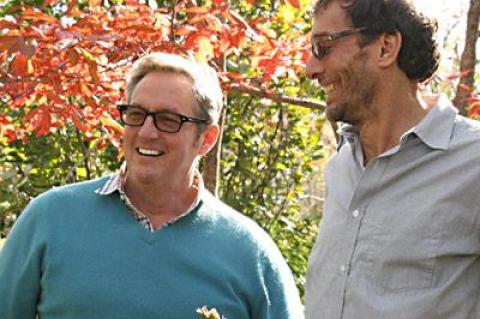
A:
74,254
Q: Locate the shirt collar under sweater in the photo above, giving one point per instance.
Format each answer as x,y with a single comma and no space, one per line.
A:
116,183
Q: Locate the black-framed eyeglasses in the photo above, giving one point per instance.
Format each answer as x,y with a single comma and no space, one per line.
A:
164,121
323,42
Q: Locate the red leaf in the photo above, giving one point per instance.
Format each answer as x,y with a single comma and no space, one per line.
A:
9,43
4,24
44,124
237,40
295,3
474,110
40,120
38,16
19,65
94,3
197,10
192,40
73,57
235,76
72,8
9,133
185,30
74,115
101,144
47,3
93,70
252,2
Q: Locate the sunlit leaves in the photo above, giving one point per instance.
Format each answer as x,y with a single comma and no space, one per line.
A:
84,55
474,109
19,65
295,3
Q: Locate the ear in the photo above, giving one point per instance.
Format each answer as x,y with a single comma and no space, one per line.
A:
389,45
209,138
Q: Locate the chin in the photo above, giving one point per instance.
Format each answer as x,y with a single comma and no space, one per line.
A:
144,176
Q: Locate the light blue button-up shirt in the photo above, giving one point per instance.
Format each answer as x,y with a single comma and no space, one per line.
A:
400,238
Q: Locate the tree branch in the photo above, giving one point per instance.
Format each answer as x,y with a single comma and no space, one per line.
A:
276,97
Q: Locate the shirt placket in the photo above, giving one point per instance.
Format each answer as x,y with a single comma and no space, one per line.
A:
357,209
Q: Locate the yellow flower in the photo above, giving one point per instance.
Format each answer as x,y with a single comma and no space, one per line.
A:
206,313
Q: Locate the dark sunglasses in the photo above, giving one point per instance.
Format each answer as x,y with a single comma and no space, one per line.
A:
323,42
164,121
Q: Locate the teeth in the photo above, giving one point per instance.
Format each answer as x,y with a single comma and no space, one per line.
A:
328,88
147,152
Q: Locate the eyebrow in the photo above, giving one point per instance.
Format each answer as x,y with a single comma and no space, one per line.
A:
173,110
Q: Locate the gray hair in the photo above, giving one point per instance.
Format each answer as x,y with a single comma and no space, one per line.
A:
205,83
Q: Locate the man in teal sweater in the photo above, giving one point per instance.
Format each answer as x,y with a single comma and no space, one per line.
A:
150,241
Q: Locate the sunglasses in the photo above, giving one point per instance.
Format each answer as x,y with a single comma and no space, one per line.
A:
323,42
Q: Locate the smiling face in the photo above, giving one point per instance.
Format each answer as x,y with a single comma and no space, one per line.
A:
153,156
345,72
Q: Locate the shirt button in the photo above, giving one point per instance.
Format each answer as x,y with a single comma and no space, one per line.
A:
355,213
343,268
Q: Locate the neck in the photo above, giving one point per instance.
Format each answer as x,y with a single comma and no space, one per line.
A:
396,111
162,202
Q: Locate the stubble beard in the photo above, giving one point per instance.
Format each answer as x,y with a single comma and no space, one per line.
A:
358,103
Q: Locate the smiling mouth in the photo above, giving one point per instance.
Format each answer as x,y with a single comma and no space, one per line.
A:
149,152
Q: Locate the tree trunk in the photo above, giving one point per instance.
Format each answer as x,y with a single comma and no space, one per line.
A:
468,59
211,167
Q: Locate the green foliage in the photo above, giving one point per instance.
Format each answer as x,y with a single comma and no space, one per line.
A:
59,158
268,153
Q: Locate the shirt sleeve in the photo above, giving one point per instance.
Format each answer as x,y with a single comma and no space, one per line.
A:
20,268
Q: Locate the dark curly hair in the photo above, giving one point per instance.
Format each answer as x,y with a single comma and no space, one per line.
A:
418,56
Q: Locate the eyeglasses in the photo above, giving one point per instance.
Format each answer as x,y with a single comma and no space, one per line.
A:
164,121
321,43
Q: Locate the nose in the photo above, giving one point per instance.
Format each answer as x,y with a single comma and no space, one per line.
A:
314,68
148,129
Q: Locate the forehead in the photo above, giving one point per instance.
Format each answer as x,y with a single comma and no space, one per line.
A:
329,19
164,90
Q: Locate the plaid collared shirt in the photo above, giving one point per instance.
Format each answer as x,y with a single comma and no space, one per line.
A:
116,183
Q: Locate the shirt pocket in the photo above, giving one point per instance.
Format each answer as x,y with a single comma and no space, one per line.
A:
401,255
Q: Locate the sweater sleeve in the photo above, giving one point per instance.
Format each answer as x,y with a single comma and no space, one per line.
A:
281,298
20,268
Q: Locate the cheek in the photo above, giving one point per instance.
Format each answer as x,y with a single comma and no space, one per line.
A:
128,137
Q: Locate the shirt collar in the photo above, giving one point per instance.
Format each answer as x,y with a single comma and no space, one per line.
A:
348,134
434,130
116,183
113,183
